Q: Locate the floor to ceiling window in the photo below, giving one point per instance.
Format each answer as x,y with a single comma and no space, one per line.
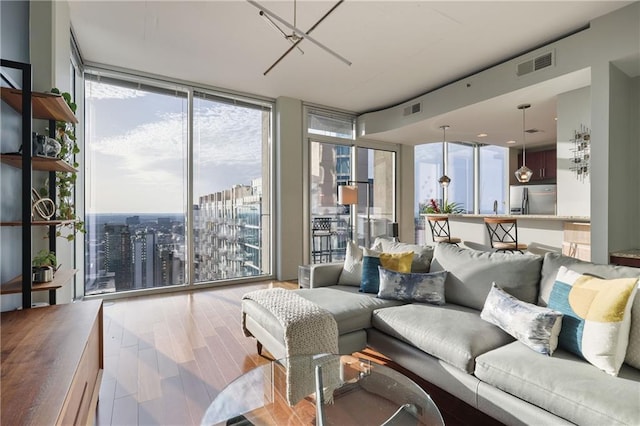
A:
491,185
231,182
140,194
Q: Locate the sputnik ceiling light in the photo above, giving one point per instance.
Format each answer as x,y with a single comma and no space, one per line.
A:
444,179
297,34
523,174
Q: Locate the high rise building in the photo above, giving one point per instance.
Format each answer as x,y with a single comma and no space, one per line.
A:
119,255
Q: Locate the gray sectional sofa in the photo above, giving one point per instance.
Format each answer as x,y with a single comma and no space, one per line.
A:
451,347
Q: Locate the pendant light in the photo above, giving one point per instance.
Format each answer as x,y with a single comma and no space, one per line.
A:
523,174
444,179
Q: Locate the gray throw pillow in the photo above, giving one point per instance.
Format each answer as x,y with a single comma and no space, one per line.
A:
412,286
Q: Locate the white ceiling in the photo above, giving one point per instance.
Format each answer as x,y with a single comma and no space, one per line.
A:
398,49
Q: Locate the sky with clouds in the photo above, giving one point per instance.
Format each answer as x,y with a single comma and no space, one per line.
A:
136,149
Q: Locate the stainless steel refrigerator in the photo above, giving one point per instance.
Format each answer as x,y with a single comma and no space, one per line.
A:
533,199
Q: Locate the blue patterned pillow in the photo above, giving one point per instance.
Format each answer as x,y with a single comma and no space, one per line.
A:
412,286
535,326
370,278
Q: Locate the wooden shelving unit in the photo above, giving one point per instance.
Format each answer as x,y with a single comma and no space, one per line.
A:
38,223
38,163
45,106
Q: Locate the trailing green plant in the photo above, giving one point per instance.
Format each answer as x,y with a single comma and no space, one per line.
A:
45,258
432,207
66,181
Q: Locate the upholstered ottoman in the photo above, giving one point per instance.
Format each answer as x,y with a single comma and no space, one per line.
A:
351,310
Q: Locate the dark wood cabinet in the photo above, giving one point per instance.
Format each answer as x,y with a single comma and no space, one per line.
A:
542,164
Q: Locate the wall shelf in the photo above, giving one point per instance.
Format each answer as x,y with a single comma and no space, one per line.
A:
46,106
61,277
38,163
38,222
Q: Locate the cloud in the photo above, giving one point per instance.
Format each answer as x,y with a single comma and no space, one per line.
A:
149,159
101,91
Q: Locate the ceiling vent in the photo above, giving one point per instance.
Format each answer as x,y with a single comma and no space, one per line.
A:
540,62
413,109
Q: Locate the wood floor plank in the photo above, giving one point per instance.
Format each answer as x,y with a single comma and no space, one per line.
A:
127,375
195,392
148,375
125,411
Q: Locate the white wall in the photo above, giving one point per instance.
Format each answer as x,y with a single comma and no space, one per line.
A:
574,195
289,188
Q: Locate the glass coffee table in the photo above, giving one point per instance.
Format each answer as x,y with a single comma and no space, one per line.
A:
299,390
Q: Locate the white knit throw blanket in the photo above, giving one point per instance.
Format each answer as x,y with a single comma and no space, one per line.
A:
308,330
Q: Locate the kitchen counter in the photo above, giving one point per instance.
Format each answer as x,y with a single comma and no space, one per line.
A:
543,233
629,257
522,216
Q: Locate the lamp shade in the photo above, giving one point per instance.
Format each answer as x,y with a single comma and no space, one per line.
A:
523,174
444,181
347,194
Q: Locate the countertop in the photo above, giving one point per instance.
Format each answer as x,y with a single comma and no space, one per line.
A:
631,253
519,216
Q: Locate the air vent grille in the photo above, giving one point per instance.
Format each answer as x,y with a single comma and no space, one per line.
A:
413,109
539,62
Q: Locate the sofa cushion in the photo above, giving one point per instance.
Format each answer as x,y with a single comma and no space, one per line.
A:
471,274
535,326
352,267
413,286
352,310
454,334
597,316
553,262
422,254
563,384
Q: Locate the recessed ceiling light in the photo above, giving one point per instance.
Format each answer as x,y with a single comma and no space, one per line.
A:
482,135
511,142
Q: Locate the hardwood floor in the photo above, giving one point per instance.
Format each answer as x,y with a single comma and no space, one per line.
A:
167,357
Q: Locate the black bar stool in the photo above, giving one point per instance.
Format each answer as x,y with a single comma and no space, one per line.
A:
440,230
503,234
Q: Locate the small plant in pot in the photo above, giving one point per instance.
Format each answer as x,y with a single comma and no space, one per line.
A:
43,266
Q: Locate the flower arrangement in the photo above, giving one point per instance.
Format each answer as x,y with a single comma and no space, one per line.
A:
433,207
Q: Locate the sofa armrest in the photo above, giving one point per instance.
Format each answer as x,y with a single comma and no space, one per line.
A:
324,274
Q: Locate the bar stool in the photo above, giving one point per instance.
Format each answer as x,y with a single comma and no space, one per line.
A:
322,250
503,234
440,230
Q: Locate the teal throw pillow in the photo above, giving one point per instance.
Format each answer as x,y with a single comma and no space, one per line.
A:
370,276
412,286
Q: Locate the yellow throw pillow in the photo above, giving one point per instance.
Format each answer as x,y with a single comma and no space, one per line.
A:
399,262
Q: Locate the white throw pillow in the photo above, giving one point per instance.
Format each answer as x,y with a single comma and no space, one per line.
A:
533,325
352,267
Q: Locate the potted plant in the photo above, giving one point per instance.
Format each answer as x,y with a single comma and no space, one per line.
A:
446,208
66,181
43,266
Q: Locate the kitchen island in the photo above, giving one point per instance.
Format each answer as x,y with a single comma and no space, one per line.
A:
541,232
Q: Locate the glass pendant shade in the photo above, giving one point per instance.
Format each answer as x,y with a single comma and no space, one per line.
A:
445,180
523,174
